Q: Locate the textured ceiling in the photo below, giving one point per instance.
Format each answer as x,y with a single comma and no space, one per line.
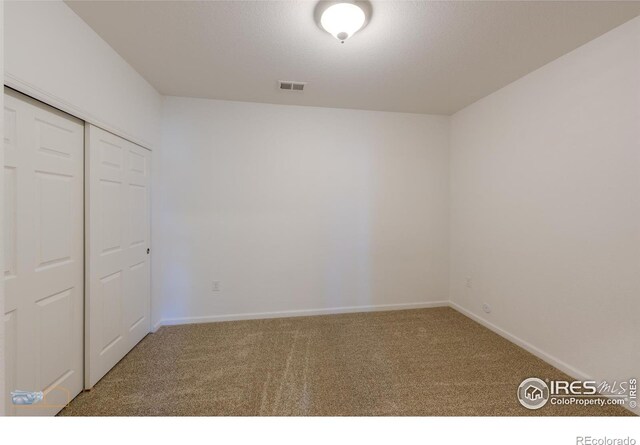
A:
422,57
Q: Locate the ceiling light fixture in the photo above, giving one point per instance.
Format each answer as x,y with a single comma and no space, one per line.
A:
342,20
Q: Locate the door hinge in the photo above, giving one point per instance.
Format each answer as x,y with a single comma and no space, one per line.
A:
148,250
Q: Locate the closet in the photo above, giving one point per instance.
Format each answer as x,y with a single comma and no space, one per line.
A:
76,240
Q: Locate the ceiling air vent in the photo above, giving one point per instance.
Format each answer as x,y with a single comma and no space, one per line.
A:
289,85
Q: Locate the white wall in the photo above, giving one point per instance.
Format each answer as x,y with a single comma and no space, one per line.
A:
53,55
297,209
545,208
2,368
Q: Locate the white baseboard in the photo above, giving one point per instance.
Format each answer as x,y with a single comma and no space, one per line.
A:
550,359
298,313
554,361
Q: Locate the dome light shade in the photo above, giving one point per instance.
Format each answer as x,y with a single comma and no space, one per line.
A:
342,20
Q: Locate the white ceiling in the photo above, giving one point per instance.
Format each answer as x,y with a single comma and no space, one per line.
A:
423,57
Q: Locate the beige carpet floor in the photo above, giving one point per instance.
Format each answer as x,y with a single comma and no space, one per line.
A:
425,362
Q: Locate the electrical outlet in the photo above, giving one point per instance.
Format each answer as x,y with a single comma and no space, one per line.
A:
468,282
215,286
486,308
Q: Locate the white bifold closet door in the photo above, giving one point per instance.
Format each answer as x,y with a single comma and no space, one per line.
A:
117,249
43,253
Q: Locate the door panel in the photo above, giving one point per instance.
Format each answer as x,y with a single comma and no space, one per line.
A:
118,272
44,159
9,223
54,194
